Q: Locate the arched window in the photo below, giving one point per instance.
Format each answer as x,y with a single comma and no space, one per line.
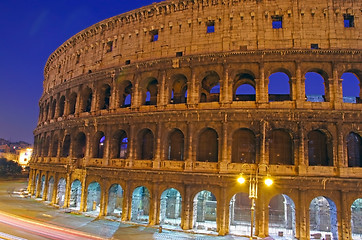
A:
208,146
52,110
55,144
72,103
244,88
279,87
152,91
66,146
146,141
105,95
176,146
119,145
315,87
80,145
319,152
46,147
61,106
210,87
125,94
99,147
351,88
280,148
243,146
179,89
87,100
354,150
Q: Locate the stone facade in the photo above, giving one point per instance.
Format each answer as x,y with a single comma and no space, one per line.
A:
146,79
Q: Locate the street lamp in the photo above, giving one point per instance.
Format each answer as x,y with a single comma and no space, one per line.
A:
253,191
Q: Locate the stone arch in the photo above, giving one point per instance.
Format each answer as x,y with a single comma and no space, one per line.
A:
282,219
354,150
356,219
280,148
205,211
125,94
50,189
119,145
55,146
317,86
151,91
42,186
140,208
240,214
146,144
170,207
72,103
61,188
323,217
244,87
208,146
115,200
104,96
210,87
99,144
179,89
66,146
61,105
86,99
93,198
80,145
319,149
280,86
75,195
175,146
351,87
243,146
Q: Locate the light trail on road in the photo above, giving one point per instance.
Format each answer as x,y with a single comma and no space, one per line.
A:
43,230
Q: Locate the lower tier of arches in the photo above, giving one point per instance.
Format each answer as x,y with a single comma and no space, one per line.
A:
293,207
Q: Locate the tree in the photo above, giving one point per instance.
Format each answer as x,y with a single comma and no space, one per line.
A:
9,167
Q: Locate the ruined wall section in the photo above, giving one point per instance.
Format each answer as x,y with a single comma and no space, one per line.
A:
182,27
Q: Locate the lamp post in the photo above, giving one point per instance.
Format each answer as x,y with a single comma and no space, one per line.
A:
253,191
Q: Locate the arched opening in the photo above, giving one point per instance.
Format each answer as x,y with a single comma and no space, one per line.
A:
170,208
208,146
280,148
151,92
210,87
282,217
125,94
46,112
66,146
244,88
55,145
80,145
50,189
94,198
87,97
61,192
46,147
351,88
319,150
52,110
115,201
75,195
176,145
36,184
61,106
179,89
100,141
279,87
205,212
315,89
119,145
105,96
354,150
356,219
72,103
42,186
240,213
323,218
146,142
140,205
243,146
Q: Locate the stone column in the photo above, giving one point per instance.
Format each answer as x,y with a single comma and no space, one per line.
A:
262,95
301,161
157,156
154,209
127,203
341,160
261,217
78,102
46,186
83,199
104,197
68,188
190,157
113,101
38,183
224,84
95,99
136,94
187,210
193,92
55,189
300,87
107,149
345,228
224,146
131,148
337,89
302,223
222,214
263,151
161,97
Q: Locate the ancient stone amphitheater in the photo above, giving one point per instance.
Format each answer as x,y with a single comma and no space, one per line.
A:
150,116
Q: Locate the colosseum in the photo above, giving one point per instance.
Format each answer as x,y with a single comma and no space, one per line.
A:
151,116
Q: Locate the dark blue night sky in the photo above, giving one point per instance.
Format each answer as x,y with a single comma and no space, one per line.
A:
30,32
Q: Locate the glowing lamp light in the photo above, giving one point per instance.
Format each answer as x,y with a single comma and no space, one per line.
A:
241,179
268,181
